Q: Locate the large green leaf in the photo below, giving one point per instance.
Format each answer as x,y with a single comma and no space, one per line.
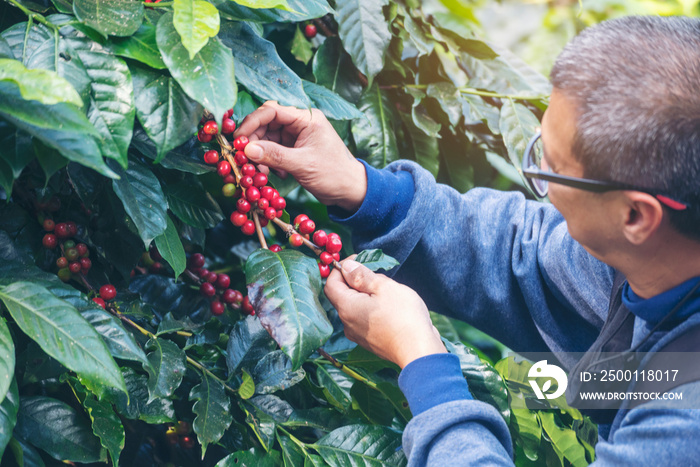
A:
374,136
62,333
365,445
331,104
170,247
365,33
8,414
376,260
58,429
260,69
23,41
7,358
166,294
193,205
44,86
330,67
336,385
196,21
60,126
517,124
372,404
300,10
139,46
167,114
274,372
111,108
208,77
247,344
143,200
564,441
186,158
138,405
283,288
168,363
212,407
110,17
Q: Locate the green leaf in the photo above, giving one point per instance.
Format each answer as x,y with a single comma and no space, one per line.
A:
426,148
396,397
110,17
138,405
376,260
58,429
331,104
23,42
193,205
60,126
292,455
111,108
301,47
50,160
196,21
7,359
5,50
143,200
247,389
254,457
248,344
372,403
262,424
321,418
367,445
168,362
365,33
140,46
283,288
564,441
170,247
336,385
330,67
8,414
63,334
44,86
167,114
300,10
212,407
518,125
245,104
274,372
279,4
25,453
260,69
208,77
374,136
186,158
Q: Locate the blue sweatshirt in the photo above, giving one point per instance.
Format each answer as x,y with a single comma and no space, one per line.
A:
509,267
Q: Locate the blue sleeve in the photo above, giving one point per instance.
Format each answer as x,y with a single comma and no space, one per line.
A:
493,259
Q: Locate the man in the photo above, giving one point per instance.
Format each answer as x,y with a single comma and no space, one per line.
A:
625,110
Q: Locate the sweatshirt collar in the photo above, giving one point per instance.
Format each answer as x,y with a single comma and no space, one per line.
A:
655,308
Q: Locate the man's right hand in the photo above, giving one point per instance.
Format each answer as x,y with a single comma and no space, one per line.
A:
304,144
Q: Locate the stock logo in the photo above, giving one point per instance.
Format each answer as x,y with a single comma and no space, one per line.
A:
543,370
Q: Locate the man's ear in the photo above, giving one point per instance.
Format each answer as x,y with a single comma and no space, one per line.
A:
643,216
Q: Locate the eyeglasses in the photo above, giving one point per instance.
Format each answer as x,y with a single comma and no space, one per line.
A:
539,179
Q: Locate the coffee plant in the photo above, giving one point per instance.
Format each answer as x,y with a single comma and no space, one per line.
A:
160,296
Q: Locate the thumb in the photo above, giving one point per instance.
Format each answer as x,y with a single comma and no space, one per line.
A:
360,277
272,155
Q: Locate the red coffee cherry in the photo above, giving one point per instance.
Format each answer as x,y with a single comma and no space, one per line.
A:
229,113
82,250
268,192
74,267
85,264
299,219
307,226
336,256
108,292
246,307
49,241
210,128
278,203
203,137
223,281
252,194
248,170
324,269
229,296
203,273
246,181
334,245
270,213
211,157
211,277
238,218
223,168
275,248
263,221
263,203
320,238
260,179
100,302
187,442
196,260
49,225
310,31
240,143
240,158
248,228
228,126
72,228
296,240
62,262
62,230
230,178
217,308
207,289
326,258
243,205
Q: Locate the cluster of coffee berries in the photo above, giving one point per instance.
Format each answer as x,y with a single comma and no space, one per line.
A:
214,286
107,293
210,128
74,256
329,243
181,434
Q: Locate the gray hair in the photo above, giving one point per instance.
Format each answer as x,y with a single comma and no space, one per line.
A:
636,81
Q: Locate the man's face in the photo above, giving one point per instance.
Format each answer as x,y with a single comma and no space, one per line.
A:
589,216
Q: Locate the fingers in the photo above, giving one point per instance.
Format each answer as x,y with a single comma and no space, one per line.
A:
274,115
273,155
360,277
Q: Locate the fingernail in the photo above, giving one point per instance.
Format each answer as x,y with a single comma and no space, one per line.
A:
350,265
253,151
